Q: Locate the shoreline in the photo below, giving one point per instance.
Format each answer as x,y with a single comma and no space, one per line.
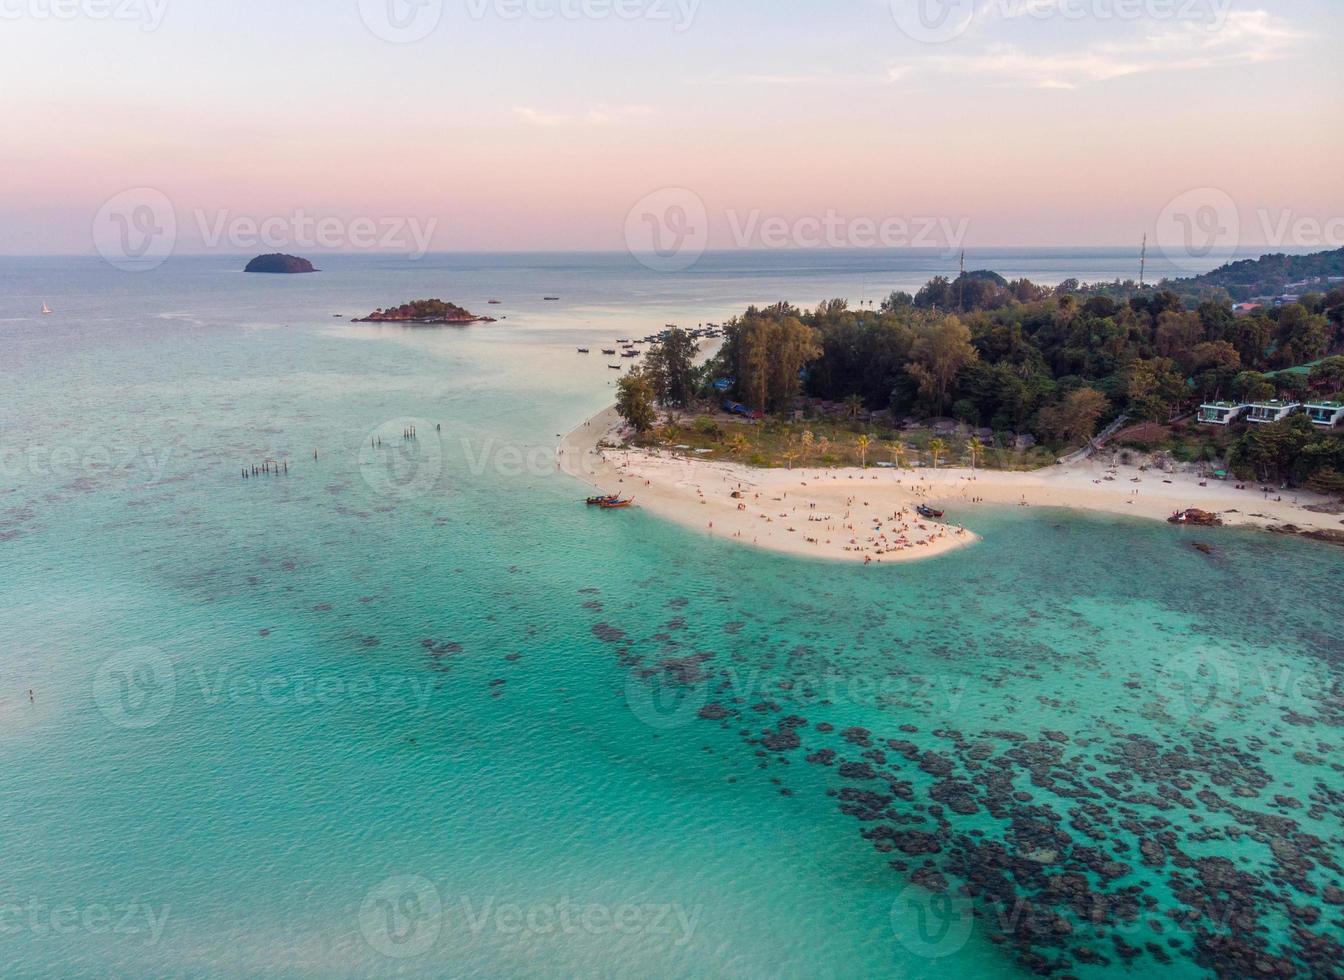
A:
867,516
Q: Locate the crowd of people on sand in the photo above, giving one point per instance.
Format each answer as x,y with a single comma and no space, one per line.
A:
865,536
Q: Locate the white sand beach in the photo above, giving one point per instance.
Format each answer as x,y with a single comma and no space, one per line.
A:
869,515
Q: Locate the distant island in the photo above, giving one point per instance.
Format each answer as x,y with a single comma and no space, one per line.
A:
282,264
425,312
1269,277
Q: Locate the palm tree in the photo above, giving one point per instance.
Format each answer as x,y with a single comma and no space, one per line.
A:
898,454
976,450
737,445
937,447
853,407
790,456
807,442
863,443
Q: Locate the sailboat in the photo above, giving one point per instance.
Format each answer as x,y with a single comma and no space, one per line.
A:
46,310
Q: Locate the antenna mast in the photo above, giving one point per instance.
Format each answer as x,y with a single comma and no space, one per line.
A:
961,281
1143,261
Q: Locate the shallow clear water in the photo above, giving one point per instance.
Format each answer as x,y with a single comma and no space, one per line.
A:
409,710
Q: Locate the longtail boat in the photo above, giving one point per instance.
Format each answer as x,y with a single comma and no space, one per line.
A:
599,501
927,511
616,504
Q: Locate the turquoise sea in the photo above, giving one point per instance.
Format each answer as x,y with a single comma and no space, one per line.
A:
409,710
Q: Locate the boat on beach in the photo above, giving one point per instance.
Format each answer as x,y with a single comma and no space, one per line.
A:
925,510
616,504
599,501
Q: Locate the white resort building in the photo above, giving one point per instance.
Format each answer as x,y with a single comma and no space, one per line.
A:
1221,413
1274,411
1326,414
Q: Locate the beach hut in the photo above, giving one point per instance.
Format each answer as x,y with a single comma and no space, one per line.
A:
1326,414
1272,411
1221,413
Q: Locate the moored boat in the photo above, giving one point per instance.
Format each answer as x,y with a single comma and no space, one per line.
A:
926,511
616,504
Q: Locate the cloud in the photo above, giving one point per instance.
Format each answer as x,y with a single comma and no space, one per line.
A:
1243,38
596,115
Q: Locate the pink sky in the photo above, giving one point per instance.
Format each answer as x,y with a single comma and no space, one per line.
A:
1028,128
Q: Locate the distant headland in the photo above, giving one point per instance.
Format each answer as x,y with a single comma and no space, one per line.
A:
283,264
425,312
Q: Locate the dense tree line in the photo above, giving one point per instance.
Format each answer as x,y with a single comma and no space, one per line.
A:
1016,357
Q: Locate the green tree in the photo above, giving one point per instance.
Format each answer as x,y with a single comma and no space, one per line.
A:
671,366
1252,386
1075,418
1270,452
862,445
1153,386
635,400
768,350
937,447
940,351
1328,374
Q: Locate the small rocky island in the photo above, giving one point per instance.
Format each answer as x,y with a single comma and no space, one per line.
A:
282,264
425,312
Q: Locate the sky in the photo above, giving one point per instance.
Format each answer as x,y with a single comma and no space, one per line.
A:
407,125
